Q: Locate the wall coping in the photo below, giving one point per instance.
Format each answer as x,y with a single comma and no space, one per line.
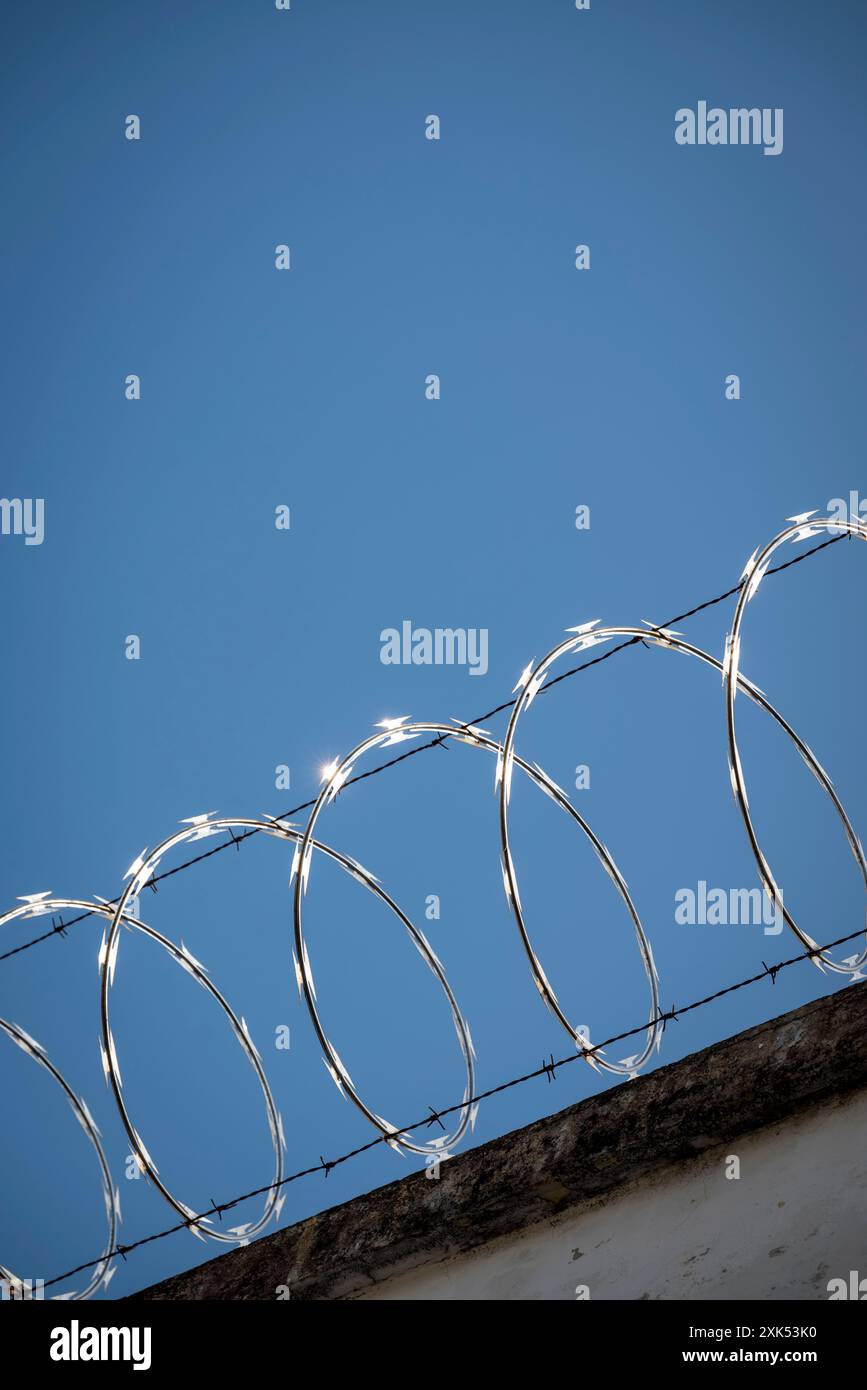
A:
803,1059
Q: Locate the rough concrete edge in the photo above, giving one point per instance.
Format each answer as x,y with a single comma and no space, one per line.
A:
744,1083
707,1160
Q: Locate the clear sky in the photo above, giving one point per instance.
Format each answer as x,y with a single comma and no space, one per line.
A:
261,647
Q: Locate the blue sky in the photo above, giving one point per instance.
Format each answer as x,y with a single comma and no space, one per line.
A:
261,647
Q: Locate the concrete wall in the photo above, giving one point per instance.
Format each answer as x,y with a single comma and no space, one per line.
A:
794,1218
626,1193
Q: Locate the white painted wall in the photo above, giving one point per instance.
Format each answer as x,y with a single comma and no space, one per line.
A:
795,1218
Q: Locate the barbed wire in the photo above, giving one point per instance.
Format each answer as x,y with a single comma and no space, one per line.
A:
61,927
546,1069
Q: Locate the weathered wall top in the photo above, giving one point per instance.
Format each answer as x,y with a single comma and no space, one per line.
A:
758,1078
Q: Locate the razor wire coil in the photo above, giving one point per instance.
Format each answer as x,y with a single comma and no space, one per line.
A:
143,872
